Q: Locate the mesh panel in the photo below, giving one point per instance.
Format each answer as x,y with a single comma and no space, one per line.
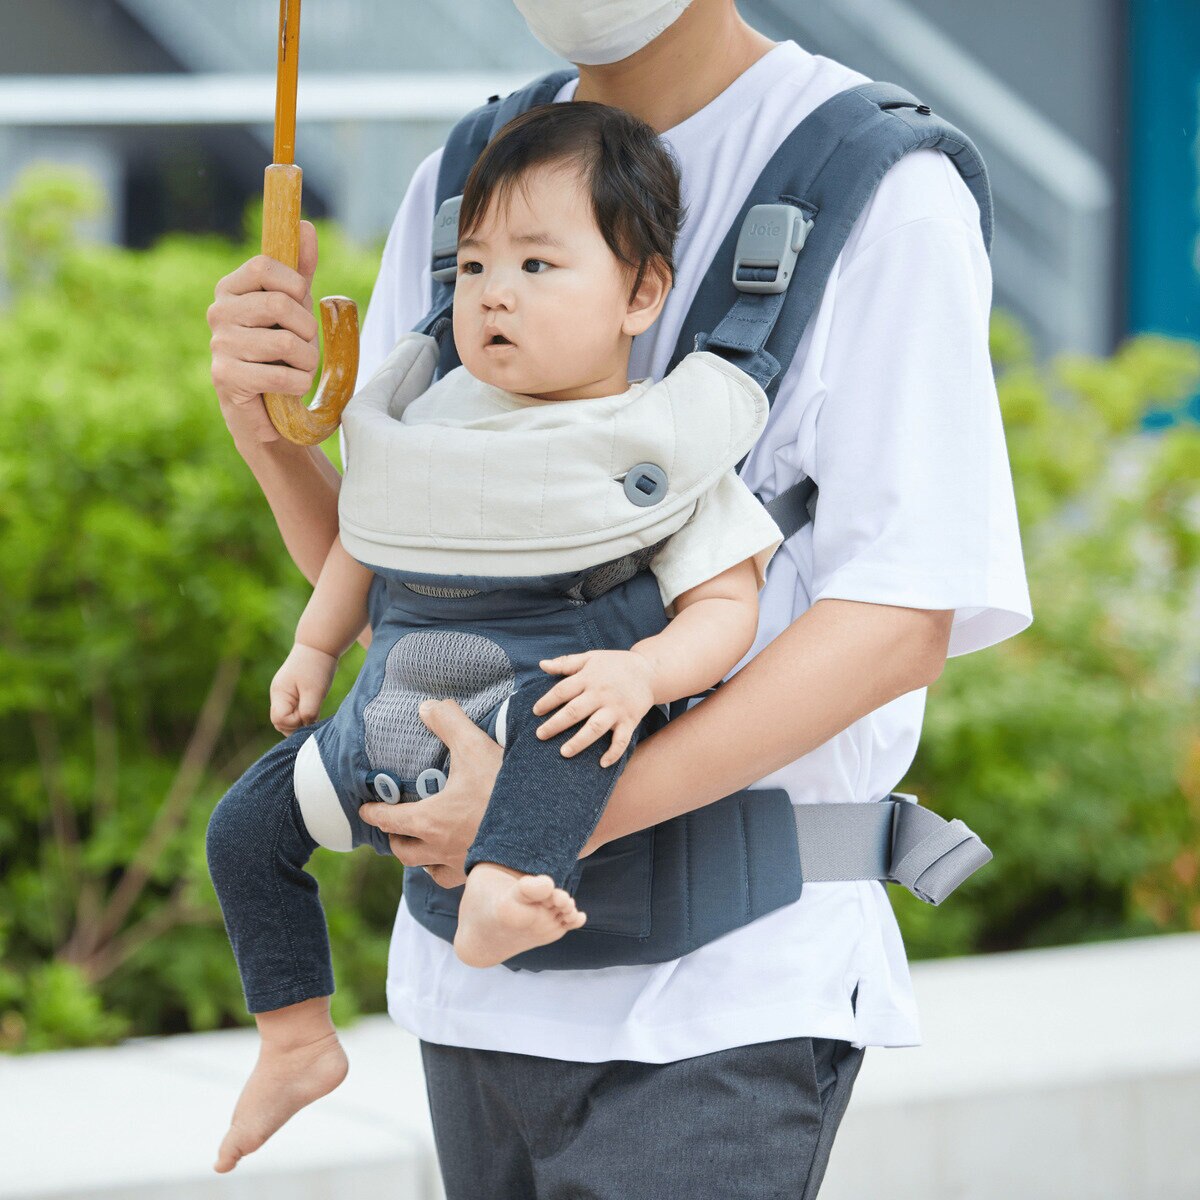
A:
608,575
430,589
423,665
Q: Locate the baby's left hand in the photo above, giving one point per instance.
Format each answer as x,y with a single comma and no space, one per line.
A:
614,689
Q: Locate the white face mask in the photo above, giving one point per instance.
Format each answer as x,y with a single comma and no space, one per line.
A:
598,31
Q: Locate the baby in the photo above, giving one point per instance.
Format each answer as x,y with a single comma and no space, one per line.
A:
560,550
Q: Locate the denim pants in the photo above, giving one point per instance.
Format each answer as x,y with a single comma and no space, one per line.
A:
752,1122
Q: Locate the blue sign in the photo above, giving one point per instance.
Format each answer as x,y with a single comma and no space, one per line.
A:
1164,164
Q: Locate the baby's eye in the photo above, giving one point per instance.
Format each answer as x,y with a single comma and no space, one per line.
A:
462,266
536,260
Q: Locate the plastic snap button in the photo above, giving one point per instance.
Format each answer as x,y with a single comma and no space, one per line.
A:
430,782
386,788
645,484
924,110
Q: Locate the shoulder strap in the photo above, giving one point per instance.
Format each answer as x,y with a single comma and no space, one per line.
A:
464,145
767,278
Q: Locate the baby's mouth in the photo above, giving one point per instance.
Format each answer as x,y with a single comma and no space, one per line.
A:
497,339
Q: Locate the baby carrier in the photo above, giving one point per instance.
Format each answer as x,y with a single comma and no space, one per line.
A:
661,892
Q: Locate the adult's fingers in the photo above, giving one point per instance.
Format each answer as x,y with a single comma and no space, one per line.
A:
265,346
264,274
243,383
405,820
448,721
264,310
307,265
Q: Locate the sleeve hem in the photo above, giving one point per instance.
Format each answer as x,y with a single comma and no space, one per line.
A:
980,621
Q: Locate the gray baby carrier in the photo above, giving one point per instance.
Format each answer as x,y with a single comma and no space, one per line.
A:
661,892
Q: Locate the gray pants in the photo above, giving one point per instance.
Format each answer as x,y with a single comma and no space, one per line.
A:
749,1123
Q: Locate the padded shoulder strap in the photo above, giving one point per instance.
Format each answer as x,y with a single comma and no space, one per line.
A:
828,168
464,145
753,310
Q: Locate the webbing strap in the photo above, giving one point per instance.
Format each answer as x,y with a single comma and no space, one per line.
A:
793,508
895,840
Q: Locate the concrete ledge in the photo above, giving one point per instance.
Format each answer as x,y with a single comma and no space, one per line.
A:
1059,1074
143,1120
1064,1074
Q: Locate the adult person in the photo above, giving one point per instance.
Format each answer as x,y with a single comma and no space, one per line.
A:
725,1072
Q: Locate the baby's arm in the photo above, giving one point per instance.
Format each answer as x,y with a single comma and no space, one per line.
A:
332,620
713,627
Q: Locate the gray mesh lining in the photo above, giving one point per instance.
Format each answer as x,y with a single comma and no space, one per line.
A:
608,575
431,664
431,589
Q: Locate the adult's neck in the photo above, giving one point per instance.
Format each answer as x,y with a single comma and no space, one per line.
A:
701,54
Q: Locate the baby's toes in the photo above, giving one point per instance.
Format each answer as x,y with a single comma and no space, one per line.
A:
536,889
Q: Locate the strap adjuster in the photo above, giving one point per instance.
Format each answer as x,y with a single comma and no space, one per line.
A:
445,240
771,237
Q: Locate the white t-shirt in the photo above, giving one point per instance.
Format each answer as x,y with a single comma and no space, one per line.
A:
890,406
727,524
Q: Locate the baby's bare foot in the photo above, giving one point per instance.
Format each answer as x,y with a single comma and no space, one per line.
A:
285,1079
503,912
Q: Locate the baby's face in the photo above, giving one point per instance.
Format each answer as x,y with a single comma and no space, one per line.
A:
541,275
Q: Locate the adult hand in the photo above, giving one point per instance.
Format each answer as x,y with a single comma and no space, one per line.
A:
249,354
437,832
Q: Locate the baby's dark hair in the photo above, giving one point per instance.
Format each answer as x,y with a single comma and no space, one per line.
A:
629,172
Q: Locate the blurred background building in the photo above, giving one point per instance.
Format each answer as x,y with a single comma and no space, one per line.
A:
1085,110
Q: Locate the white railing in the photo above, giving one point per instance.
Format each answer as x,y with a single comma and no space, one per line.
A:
361,136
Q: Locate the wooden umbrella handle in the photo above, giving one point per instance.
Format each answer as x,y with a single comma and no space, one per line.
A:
282,185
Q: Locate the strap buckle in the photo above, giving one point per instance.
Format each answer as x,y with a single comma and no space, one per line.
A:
445,240
771,237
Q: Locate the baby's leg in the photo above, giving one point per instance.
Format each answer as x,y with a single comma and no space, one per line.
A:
542,810
257,848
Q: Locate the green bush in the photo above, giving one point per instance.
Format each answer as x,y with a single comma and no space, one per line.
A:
1073,750
147,601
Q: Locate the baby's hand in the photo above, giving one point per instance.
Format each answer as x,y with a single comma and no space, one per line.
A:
299,687
614,689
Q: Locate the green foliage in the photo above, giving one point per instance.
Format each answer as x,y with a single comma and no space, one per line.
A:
1073,750
147,601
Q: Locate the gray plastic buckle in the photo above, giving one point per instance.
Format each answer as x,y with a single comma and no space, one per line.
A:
385,787
771,237
430,782
445,239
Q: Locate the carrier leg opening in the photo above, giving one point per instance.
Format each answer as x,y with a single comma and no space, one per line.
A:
317,799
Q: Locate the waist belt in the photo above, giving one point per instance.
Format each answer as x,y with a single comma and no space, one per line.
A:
660,893
895,841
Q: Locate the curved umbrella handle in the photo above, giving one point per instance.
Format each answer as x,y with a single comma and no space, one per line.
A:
282,183
308,425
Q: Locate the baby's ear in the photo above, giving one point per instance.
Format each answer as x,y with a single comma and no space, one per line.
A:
647,302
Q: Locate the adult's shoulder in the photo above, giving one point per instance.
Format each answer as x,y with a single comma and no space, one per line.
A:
923,186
